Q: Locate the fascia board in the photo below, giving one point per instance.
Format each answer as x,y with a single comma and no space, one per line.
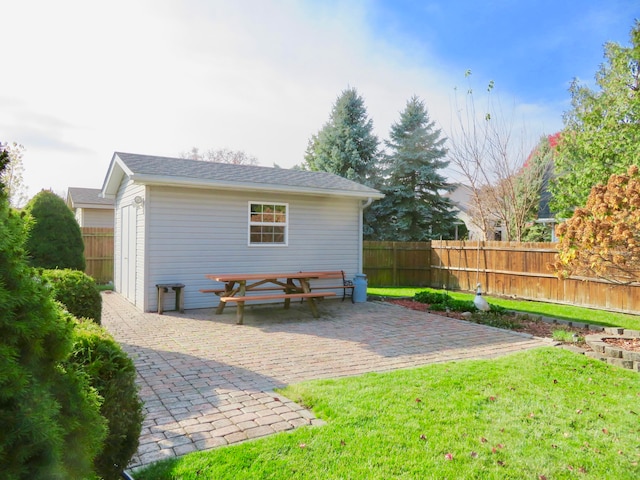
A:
197,183
117,170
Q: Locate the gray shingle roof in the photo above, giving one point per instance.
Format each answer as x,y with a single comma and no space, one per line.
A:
180,169
87,196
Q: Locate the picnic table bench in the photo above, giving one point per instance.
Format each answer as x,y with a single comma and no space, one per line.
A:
345,285
236,290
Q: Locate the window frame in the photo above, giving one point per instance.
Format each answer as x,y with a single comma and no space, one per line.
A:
251,223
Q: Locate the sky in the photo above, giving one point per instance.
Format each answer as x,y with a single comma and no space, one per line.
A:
81,80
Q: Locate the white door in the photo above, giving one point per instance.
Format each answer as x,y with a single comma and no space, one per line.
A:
128,253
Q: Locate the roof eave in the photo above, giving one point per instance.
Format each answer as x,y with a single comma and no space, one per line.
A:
94,205
113,179
247,186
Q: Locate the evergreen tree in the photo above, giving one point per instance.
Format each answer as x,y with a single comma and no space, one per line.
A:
55,241
50,425
413,208
346,144
602,129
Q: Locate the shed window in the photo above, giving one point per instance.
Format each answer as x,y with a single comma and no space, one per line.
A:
268,223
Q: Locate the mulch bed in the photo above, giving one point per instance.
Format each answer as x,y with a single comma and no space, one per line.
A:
532,327
632,344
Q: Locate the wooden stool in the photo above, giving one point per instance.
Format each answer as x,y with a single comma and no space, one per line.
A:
176,287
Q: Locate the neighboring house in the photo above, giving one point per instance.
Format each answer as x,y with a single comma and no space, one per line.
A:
461,196
177,220
89,208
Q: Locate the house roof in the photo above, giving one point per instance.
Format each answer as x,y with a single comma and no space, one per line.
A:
87,198
153,170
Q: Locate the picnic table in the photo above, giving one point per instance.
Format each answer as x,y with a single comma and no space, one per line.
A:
238,288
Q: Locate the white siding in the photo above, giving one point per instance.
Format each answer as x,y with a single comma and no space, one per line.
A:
193,232
96,217
124,199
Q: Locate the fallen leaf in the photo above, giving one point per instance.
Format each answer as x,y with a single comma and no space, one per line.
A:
605,431
501,463
474,454
532,415
620,452
493,450
276,399
418,400
492,399
449,456
582,470
423,437
500,445
554,446
555,381
542,477
303,445
579,412
483,440
342,443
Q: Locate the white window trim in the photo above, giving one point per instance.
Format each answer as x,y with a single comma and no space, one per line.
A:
286,224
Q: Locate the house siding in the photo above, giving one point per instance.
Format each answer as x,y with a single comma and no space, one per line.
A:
194,232
124,200
94,217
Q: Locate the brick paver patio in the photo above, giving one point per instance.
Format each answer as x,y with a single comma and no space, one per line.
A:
207,382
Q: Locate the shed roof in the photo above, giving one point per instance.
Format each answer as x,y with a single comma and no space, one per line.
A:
154,170
78,197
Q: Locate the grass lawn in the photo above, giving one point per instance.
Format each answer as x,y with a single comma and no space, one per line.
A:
563,312
541,414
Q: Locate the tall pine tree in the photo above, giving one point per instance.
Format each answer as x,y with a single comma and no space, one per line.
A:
414,208
346,144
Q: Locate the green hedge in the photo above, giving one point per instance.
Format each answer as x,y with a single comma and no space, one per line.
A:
77,291
112,373
55,238
50,424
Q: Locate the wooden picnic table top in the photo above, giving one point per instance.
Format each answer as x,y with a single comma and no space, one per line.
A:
236,277
236,288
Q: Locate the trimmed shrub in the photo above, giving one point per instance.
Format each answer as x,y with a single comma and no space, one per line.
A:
77,291
55,240
454,306
432,297
112,374
50,424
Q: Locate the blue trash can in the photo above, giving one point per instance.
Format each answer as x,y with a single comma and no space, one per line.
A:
360,288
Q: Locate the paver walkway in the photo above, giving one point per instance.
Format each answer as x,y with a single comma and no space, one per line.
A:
207,382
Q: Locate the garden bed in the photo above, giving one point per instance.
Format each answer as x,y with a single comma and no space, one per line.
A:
518,323
619,350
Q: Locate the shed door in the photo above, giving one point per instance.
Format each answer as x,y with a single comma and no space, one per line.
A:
128,253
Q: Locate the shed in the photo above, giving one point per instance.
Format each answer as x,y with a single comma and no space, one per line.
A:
177,220
90,208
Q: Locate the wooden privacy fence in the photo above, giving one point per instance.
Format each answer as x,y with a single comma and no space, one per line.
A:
397,263
98,253
502,268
